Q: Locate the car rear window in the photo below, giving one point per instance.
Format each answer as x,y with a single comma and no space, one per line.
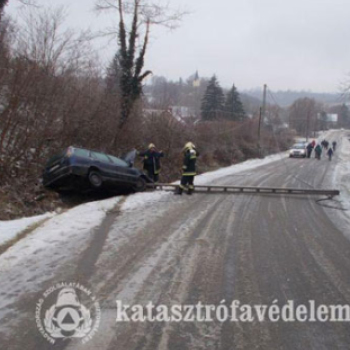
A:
79,152
118,161
101,157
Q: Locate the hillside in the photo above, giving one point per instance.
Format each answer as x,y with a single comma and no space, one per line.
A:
286,98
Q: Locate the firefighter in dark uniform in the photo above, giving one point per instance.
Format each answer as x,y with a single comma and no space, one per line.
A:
188,169
151,161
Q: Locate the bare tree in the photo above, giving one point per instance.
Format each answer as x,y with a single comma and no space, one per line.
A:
46,91
43,40
3,3
303,116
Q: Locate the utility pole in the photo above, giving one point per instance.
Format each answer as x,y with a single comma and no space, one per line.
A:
307,124
264,102
259,131
262,117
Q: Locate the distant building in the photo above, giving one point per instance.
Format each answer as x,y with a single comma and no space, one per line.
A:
327,120
182,114
328,117
332,118
181,111
196,81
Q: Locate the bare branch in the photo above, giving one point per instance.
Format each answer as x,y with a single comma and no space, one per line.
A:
44,41
155,12
28,2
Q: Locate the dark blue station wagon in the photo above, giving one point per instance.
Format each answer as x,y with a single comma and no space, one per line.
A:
78,168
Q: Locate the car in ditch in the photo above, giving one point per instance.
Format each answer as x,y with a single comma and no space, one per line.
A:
80,169
298,150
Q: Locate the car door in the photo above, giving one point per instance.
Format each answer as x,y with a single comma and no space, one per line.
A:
103,163
123,171
130,157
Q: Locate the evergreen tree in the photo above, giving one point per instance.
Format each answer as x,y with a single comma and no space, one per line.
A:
233,106
213,100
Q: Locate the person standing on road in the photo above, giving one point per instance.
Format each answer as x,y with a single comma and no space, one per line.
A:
151,161
309,149
318,152
188,169
330,153
334,145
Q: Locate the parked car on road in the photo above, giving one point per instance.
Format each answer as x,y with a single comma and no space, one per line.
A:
79,168
298,150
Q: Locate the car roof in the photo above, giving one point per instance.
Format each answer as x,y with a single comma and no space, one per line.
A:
94,150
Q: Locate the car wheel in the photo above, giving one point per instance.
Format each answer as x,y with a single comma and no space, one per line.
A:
95,179
140,185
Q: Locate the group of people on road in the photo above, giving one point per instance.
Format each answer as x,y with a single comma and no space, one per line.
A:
318,148
151,164
310,147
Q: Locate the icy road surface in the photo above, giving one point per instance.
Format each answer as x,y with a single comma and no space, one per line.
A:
181,250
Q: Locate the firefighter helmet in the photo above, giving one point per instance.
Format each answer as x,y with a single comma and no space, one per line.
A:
189,145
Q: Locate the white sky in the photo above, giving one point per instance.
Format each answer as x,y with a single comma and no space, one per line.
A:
287,44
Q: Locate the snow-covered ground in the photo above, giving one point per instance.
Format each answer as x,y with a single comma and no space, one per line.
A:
341,177
65,235
53,239
237,168
52,250
10,229
56,242
341,181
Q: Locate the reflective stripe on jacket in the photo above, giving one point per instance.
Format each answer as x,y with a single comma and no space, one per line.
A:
189,163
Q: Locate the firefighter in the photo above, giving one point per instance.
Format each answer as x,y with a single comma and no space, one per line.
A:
151,161
188,169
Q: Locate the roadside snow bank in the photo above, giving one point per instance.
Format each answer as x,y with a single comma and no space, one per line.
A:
60,228
10,229
341,178
36,257
236,168
339,209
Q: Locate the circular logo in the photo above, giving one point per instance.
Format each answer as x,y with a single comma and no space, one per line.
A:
67,310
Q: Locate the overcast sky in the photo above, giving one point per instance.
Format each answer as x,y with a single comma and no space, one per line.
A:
287,44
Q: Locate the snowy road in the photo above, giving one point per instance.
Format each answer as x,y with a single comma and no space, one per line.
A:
166,249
